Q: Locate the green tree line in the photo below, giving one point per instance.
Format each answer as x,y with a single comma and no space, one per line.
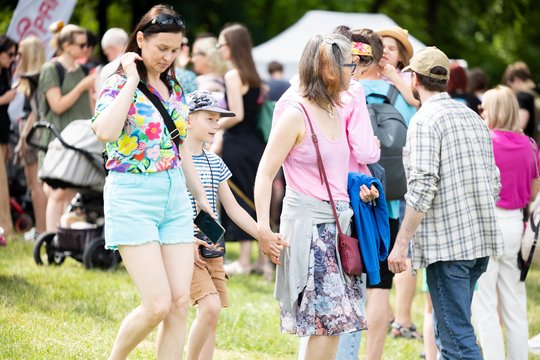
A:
486,33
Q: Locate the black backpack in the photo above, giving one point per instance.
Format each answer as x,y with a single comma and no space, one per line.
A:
391,129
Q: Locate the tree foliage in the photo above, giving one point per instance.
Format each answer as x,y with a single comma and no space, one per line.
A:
486,33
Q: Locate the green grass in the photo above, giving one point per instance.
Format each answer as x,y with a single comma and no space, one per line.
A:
68,312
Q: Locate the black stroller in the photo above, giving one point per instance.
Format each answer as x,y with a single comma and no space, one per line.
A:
80,233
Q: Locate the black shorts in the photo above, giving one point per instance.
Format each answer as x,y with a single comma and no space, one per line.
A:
387,275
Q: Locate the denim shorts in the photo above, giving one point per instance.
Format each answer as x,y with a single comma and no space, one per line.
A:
141,208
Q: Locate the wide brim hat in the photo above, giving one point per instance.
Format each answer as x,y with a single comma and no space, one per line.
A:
400,35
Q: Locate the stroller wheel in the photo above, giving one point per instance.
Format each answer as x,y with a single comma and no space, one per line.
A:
44,251
96,256
24,223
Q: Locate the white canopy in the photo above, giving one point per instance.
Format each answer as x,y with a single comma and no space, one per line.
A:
287,46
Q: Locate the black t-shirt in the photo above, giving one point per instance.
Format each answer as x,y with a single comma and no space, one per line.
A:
5,122
526,102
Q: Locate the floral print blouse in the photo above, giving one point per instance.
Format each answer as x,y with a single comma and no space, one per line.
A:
144,146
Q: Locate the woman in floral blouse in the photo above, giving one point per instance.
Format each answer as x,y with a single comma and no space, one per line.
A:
147,209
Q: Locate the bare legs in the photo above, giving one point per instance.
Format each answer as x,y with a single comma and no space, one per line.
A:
405,284
322,347
39,199
58,201
202,336
378,316
162,275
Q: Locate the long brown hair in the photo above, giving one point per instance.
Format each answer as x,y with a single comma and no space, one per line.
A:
149,30
239,41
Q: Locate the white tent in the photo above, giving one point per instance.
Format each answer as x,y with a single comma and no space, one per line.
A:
287,46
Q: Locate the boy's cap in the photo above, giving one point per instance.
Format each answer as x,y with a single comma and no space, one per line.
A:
425,60
400,35
204,100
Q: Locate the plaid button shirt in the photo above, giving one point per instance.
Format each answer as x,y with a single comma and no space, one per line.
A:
453,179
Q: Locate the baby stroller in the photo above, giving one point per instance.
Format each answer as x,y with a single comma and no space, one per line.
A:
66,165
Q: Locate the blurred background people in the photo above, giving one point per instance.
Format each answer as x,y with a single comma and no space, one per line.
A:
457,87
64,100
242,145
478,82
8,53
31,58
113,44
277,84
516,156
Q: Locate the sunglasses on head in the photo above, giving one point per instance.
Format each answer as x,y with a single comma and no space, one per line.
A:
166,19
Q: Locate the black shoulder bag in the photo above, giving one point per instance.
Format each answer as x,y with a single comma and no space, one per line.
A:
173,130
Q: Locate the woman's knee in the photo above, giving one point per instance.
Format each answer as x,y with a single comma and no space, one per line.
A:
157,310
180,305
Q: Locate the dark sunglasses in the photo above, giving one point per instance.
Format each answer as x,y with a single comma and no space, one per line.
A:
166,19
12,54
351,65
82,46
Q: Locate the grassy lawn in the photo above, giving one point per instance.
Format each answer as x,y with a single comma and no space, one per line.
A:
68,312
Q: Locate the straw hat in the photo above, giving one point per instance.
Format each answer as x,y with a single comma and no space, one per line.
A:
400,35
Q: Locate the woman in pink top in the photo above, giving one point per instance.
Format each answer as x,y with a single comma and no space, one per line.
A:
516,156
316,299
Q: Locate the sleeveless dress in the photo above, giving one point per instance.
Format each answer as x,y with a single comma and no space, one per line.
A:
242,152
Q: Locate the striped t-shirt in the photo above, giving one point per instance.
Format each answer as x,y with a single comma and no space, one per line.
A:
212,171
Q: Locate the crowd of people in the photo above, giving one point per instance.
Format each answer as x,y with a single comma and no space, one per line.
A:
181,133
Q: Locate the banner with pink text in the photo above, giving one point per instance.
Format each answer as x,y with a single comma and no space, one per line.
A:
33,17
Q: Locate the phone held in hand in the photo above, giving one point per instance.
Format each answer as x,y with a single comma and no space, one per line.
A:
209,226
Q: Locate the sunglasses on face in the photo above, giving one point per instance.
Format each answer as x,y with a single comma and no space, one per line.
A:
351,65
11,54
81,46
166,19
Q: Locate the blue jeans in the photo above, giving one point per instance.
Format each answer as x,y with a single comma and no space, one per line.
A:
451,286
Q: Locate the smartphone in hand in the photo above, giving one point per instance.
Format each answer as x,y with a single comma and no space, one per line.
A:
209,226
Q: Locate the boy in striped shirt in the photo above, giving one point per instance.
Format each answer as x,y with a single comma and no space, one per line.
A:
208,285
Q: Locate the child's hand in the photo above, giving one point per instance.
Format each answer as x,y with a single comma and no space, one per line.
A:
390,72
196,255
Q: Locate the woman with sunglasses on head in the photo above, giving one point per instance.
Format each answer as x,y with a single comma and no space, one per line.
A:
242,146
64,87
317,300
8,52
501,298
148,215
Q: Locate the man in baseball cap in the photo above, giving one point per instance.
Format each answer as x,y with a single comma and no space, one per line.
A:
453,184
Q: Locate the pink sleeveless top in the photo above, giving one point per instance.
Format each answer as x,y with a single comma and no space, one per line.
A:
300,166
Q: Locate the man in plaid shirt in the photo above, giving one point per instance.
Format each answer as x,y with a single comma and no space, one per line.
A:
453,185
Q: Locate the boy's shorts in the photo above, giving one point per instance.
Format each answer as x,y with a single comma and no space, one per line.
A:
210,280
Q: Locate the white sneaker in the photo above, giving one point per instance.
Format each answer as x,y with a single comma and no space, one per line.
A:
31,234
534,344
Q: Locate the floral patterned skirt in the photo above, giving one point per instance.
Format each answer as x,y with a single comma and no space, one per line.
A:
327,306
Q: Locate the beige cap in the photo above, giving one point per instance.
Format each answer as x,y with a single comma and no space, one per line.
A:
428,58
400,35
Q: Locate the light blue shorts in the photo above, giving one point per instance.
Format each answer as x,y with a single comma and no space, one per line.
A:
141,208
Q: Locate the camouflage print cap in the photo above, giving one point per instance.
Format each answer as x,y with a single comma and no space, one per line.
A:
204,100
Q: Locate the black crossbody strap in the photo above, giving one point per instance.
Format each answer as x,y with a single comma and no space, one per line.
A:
173,130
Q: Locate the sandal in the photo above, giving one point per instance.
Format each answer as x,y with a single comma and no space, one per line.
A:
410,332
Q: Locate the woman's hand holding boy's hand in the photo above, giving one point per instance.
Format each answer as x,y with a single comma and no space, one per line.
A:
271,244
